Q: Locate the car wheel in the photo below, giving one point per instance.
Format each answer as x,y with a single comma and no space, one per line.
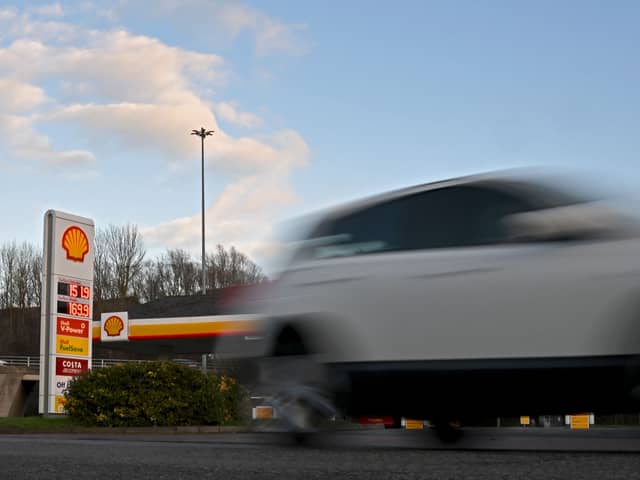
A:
397,423
301,398
446,432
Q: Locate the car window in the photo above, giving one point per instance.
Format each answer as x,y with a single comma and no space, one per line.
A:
460,216
379,228
442,218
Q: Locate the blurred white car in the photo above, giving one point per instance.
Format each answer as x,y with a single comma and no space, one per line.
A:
457,300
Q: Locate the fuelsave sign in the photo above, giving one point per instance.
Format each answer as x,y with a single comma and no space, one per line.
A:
72,346
67,306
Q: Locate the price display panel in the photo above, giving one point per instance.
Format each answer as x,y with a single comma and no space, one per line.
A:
74,308
74,290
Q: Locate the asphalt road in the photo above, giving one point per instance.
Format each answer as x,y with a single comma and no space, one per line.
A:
366,454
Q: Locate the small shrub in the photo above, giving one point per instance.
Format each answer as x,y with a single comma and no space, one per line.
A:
152,394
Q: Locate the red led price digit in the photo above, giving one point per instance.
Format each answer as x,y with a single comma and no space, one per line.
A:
73,290
79,309
85,292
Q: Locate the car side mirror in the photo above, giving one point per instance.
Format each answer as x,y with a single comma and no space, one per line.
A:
572,222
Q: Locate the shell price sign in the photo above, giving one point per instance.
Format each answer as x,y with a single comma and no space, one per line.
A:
67,305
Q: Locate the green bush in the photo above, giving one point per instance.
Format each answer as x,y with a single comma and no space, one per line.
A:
152,393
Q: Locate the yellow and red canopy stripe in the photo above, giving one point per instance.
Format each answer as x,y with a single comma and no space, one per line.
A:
187,327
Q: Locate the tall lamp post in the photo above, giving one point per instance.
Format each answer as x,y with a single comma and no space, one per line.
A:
202,133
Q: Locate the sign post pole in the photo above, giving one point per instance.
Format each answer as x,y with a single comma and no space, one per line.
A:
67,306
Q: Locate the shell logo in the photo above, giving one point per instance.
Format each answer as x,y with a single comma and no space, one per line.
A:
113,326
75,243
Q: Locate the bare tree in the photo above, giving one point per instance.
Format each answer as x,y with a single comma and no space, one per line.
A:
123,252
217,264
184,273
173,273
120,270
148,285
20,275
8,265
102,275
176,273
35,278
229,268
23,276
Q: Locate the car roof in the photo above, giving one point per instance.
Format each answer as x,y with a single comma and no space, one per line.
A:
541,187
490,180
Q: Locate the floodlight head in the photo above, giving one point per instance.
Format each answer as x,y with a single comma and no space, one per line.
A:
202,132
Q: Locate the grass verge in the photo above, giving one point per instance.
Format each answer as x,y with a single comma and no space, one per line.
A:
35,423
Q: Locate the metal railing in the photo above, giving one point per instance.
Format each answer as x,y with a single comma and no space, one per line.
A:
33,362
28,361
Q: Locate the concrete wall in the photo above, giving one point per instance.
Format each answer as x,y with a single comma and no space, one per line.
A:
14,389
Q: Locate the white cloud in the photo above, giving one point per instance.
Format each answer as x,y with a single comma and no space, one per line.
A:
137,93
241,216
24,27
276,37
151,81
134,93
118,66
17,99
279,152
99,10
17,96
49,10
154,88
133,125
229,111
7,14
271,35
24,142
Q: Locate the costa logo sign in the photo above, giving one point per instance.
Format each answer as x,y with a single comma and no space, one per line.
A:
75,243
71,366
113,326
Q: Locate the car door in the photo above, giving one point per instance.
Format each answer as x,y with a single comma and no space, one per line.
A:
462,291
339,273
433,276
415,277
459,289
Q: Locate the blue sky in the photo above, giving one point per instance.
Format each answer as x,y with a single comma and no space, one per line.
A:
314,103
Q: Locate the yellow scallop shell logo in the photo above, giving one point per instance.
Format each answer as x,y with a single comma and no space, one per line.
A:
113,326
75,243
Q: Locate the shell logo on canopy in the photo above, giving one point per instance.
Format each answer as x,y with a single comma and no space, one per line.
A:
113,326
75,243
